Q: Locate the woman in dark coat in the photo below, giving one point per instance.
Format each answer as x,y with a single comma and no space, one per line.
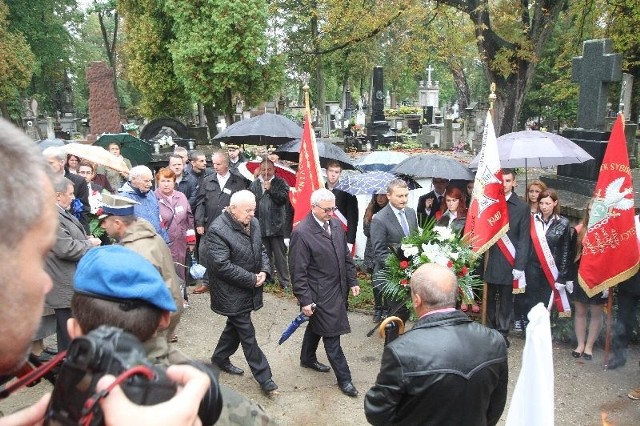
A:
548,226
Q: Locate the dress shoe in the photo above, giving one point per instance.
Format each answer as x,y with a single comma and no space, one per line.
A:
615,362
200,289
347,388
315,365
231,369
268,386
43,357
576,354
377,315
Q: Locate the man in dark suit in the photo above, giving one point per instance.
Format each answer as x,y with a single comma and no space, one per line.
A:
346,203
429,203
214,194
389,226
500,273
322,271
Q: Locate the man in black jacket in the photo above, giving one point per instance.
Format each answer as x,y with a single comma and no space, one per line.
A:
239,266
446,370
346,203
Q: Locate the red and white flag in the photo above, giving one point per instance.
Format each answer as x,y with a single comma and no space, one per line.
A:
610,246
308,177
488,217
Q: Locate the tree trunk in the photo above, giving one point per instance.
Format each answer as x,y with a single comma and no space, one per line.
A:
319,96
110,46
211,115
460,80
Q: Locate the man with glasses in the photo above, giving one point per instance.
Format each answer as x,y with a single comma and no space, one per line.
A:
322,272
430,203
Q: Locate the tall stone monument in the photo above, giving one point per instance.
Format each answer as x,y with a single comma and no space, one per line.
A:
594,70
104,110
377,126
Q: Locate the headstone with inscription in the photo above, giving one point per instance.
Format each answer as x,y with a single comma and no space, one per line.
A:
377,126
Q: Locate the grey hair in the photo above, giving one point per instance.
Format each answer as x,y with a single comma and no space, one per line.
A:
320,195
396,183
61,183
181,149
138,171
19,159
436,285
55,152
223,155
240,196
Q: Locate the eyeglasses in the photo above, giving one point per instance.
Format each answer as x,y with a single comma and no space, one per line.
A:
326,209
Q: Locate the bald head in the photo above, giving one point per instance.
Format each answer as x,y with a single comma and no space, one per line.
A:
433,287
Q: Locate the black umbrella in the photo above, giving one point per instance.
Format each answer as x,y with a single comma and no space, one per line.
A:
326,151
265,129
433,166
136,150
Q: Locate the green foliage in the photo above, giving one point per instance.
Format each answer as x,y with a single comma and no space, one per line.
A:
16,61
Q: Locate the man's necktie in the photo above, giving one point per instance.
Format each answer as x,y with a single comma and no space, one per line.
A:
326,227
403,222
439,200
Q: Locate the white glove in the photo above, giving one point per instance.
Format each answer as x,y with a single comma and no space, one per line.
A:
605,293
559,286
286,242
350,247
569,286
517,274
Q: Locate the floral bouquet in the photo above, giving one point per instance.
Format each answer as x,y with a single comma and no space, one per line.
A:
434,244
166,141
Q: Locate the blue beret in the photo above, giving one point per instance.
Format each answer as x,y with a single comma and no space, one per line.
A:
118,273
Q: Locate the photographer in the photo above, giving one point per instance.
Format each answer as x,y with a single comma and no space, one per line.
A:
27,236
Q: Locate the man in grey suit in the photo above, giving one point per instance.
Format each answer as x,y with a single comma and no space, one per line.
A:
388,227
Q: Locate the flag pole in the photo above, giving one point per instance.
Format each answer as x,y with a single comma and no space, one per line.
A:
485,287
607,335
307,108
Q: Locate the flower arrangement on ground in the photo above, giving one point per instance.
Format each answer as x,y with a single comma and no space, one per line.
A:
434,244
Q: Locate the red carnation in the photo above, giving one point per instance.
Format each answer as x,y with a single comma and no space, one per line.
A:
449,264
464,270
404,282
404,264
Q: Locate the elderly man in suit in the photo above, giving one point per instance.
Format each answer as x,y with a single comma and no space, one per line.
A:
322,272
389,226
71,244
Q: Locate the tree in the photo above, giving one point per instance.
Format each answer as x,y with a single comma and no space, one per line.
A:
16,63
221,53
510,36
106,11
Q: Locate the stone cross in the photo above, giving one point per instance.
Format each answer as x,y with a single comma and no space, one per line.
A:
429,69
594,70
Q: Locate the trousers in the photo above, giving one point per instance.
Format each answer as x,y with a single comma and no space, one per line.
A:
499,315
334,352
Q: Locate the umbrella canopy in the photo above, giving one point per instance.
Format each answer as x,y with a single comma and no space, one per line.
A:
374,182
46,143
433,166
533,148
284,172
326,151
265,129
136,150
98,155
380,160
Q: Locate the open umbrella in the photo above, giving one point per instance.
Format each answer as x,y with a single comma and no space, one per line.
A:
326,151
433,166
534,148
374,182
46,143
98,155
380,160
265,129
286,173
136,150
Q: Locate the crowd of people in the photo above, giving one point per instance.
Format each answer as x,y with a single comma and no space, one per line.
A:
242,232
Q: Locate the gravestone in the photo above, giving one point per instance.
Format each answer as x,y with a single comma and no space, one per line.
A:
377,126
104,110
594,70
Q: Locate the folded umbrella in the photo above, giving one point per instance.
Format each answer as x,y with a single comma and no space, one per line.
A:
291,328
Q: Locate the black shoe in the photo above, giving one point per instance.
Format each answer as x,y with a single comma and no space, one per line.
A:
42,358
377,315
576,354
268,386
231,369
347,388
315,365
506,341
587,356
615,362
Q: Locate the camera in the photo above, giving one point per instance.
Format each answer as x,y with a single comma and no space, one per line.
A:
109,350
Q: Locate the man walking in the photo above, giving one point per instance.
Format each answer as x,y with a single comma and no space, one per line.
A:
507,259
322,272
272,197
239,267
446,370
388,227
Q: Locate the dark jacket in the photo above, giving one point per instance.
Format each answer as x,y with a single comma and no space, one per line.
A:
233,260
347,205
498,270
447,370
271,208
212,199
322,272
558,236
421,210
188,185
81,192
456,225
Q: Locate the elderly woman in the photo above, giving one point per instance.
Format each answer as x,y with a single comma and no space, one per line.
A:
177,218
548,266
